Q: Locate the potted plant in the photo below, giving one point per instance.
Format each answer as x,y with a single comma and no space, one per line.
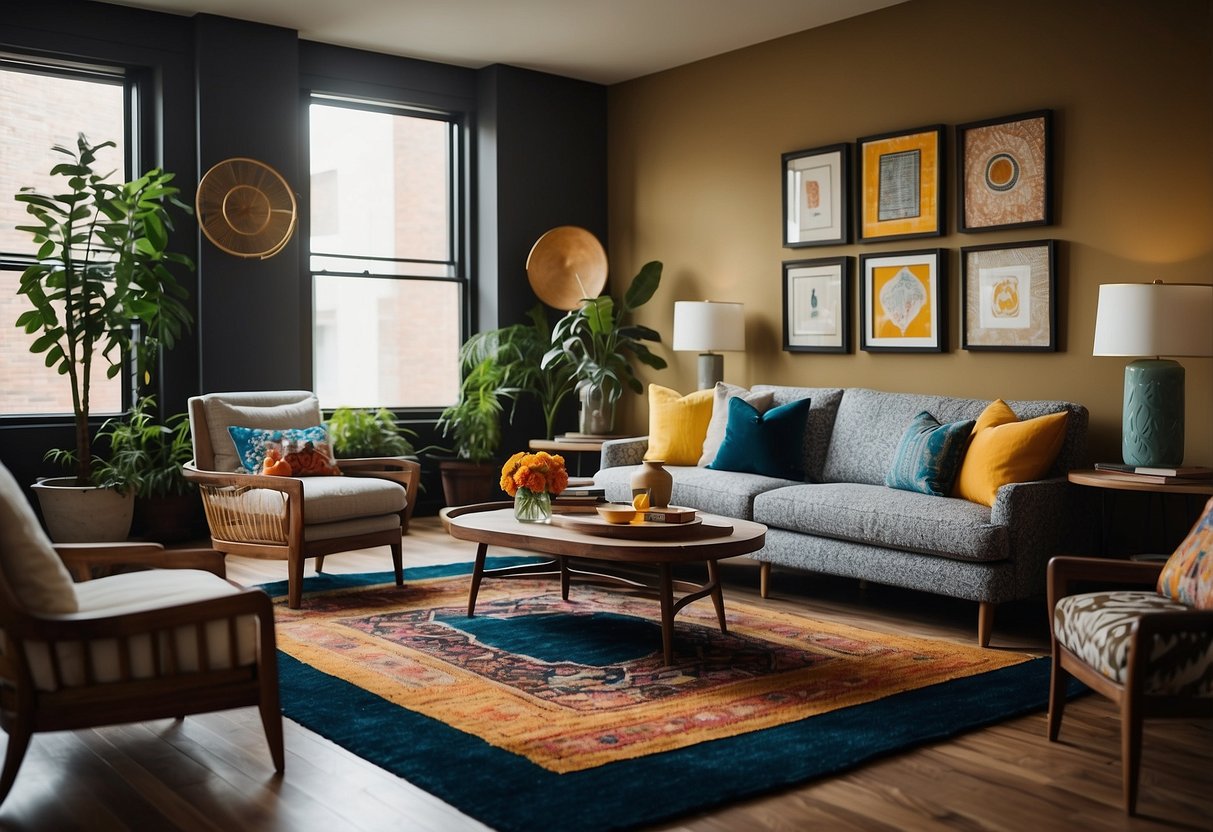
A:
359,432
146,456
598,343
101,264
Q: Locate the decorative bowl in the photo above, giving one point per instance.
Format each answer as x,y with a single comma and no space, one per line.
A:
617,513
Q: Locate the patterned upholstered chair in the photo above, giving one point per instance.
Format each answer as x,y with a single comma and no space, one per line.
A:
1148,649
149,644
293,518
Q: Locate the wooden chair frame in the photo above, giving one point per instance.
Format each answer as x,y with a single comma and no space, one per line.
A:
1130,698
26,710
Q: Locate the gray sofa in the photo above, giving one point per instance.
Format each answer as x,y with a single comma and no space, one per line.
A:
845,521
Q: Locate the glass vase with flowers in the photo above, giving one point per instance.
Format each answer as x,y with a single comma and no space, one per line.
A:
533,479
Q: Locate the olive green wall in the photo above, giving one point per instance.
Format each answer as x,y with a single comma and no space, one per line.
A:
694,180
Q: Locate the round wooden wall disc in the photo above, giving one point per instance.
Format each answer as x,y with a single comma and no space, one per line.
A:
566,265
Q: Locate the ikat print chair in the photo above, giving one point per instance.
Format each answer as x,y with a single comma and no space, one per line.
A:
293,518
138,645
1149,650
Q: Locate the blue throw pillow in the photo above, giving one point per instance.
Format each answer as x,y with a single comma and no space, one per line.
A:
929,455
770,443
306,449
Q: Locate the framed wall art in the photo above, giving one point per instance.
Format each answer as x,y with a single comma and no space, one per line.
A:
817,305
816,202
1008,297
901,184
1004,172
901,301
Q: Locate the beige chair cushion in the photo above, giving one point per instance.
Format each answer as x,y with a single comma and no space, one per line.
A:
136,592
31,567
348,528
329,499
254,410
1096,627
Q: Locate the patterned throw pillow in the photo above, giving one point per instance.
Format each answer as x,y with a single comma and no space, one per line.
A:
1187,577
677,424
307,450
764,443
929,455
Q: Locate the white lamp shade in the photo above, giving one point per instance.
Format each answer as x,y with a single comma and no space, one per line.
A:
705,326
1159,319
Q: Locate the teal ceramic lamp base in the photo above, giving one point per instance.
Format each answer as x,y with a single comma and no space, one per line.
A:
1153,421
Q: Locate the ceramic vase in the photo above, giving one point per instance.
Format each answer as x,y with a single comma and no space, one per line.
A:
654,479
532,506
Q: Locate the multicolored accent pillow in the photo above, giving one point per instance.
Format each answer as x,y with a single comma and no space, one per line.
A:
764,443
929,455
307,450
1187,576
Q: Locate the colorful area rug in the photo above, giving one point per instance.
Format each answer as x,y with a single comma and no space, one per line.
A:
552,714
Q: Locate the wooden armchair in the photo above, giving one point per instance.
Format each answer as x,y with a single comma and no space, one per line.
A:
294,518
133,646
1152,656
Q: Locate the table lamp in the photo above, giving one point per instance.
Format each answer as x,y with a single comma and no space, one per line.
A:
1153,320
708,326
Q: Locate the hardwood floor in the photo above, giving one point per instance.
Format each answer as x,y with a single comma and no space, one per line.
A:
213,772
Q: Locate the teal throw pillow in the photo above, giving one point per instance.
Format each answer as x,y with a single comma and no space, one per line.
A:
929,455
770,443
306,449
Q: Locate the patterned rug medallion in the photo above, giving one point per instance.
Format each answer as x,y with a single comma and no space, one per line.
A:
573,693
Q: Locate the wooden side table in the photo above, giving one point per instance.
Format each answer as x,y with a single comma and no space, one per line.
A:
1111,481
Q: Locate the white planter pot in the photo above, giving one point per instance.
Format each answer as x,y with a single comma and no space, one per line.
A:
84,514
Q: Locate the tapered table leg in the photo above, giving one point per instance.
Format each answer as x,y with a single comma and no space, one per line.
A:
564,576
477,573
717,594
667,614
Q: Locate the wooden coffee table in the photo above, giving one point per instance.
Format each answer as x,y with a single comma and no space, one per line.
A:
493,524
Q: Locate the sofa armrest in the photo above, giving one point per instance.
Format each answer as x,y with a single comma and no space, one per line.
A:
1037,516
618,452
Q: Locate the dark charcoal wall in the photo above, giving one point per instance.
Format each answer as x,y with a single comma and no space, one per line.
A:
536,148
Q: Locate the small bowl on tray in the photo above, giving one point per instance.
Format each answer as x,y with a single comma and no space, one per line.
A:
619,513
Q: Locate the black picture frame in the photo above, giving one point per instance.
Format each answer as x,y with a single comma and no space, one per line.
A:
901,184
998,312
815,322
817,196
890,300
1004,172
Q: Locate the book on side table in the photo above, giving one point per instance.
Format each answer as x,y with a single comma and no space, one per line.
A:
1164,475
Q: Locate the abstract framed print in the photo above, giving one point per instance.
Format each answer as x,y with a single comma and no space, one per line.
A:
816,199
1004,172
1008,297
901,301
817,305
901,184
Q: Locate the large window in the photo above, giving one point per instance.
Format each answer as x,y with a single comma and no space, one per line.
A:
43,106
388,280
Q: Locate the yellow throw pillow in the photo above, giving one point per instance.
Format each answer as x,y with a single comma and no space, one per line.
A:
678,424
1005,450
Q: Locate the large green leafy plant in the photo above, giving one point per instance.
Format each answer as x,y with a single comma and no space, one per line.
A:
145,454
598,343
102,264
359,432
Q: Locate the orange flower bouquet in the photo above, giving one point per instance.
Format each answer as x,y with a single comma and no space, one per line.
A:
532,480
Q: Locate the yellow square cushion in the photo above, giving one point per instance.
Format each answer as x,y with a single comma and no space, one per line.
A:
678,424
1005,450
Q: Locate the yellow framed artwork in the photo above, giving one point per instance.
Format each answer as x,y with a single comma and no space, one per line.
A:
901,184
901,300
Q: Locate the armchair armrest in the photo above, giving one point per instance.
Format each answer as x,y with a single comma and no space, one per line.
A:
232,516
1064,572
80,557
407,472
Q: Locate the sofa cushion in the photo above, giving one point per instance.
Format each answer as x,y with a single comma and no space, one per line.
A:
1005,449
720,415
758,443
929,455
886,517
820,425
717,492
677,424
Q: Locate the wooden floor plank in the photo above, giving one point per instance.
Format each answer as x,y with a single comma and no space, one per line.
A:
213,771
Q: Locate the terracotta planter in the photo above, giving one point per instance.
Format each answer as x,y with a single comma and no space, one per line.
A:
83,514
465,483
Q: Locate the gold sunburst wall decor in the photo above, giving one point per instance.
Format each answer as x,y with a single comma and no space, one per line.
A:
246,208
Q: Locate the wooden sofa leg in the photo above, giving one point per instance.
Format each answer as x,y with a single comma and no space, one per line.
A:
319,564
764,578
985,622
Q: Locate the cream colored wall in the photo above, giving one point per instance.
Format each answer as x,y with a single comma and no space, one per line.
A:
695,181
